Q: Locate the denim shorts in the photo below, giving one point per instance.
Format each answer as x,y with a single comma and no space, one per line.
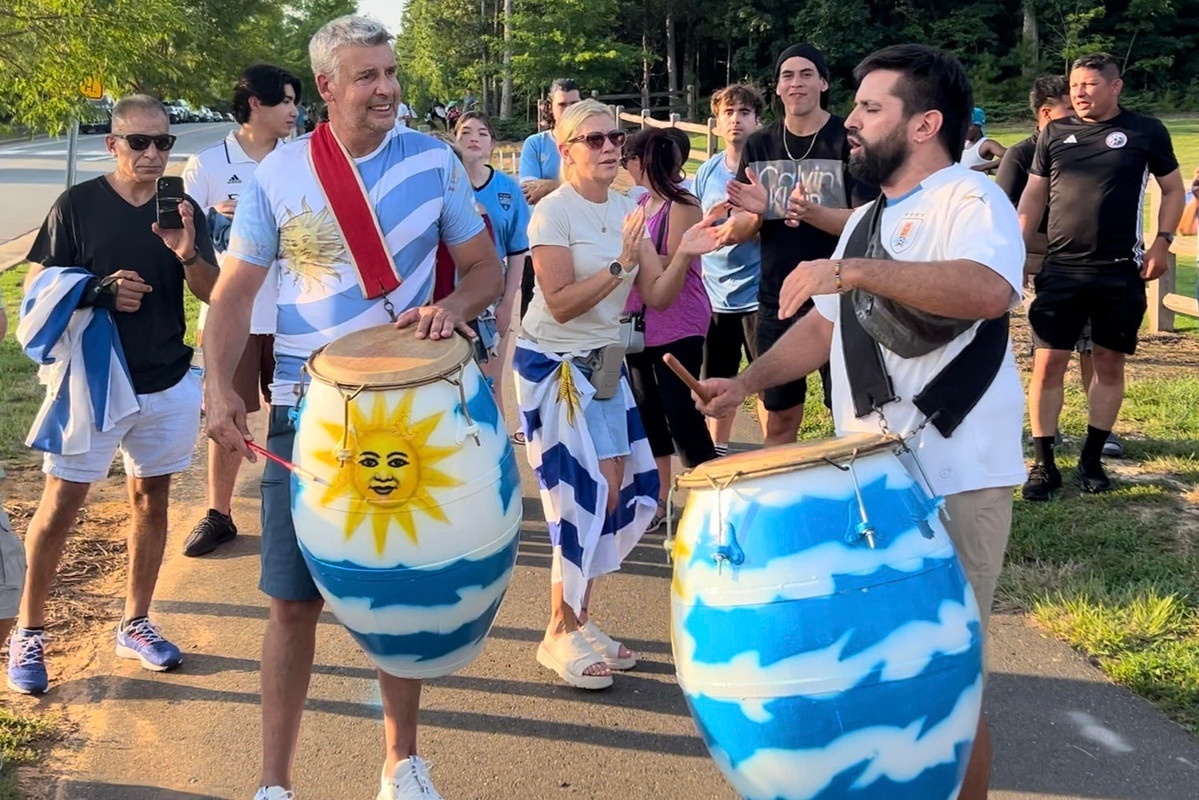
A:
284,575
607,422
12,569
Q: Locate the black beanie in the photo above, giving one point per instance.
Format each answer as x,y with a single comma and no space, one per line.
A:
802,50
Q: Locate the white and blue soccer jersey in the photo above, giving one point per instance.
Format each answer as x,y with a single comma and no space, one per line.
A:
732,273
508,211
421,194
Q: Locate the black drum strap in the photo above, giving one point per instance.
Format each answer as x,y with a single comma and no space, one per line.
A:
953,392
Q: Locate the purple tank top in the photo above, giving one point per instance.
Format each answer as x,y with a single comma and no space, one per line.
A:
691,311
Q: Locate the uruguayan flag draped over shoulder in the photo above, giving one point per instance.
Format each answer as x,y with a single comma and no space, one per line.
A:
587,541
82,363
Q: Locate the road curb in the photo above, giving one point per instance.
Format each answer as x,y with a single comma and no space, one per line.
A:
13,252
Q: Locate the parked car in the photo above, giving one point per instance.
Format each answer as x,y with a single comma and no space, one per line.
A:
177,112
96,117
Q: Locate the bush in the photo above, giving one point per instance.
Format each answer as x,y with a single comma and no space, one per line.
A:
515,129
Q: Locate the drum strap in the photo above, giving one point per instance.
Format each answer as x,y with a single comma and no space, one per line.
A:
346,197
953,392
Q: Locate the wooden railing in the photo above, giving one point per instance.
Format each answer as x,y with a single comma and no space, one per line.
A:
644,120
1163,301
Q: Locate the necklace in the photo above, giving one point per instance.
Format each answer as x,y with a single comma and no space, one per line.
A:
603,222
811,144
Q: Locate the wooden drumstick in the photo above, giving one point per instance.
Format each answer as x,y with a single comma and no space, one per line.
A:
686,377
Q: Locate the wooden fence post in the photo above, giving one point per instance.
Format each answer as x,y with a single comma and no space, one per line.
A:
1161,318
711,145
644,118
691,112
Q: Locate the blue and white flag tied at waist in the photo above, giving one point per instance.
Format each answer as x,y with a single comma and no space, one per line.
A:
552,393
83,364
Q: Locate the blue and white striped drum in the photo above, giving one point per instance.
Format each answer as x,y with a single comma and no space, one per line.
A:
825,637
410,528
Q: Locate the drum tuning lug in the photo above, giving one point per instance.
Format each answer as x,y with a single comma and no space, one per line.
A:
866,531
730,552
471,431
342,455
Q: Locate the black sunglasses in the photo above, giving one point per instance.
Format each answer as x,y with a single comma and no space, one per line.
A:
595,141
142,141
627,157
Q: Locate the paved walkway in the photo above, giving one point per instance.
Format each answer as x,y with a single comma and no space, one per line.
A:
506,728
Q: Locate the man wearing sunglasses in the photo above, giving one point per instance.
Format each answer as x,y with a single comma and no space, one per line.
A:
109,226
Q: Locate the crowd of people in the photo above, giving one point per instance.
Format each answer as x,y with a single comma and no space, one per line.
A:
872,250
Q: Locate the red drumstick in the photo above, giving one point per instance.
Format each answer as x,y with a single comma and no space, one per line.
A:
686,377
283,462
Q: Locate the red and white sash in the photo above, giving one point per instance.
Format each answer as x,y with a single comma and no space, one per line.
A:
347,198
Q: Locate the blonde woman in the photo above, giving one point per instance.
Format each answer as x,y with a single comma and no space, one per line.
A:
599,485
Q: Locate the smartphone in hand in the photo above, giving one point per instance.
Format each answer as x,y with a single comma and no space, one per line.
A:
168,197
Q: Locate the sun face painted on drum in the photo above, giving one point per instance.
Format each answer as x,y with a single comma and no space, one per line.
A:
386,467
381,477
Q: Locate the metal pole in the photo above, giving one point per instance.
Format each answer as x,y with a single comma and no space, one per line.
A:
72,151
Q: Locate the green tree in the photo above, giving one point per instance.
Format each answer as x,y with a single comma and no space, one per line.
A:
49,48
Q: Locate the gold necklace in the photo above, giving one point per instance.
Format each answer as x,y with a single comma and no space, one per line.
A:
603,223
811,144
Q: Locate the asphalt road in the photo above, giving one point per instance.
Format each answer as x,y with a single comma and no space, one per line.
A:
33,173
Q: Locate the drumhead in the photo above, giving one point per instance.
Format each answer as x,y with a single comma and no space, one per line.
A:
784,458
386,356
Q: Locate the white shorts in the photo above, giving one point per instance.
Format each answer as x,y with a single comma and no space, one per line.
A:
158,440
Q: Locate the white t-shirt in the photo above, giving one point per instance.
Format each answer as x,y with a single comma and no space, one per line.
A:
566,219
220,173
403,112
954,214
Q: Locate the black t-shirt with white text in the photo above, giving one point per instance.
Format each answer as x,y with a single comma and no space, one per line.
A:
819,166
93,227
1097,175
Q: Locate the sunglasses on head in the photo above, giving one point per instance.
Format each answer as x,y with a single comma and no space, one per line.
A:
142,141
627,157
595,141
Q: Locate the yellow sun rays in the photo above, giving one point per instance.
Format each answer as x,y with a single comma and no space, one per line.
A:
390,469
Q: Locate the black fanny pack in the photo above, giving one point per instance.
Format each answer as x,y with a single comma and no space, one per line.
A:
870,322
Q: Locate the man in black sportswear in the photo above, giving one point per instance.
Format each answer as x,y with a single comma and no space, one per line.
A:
1091,170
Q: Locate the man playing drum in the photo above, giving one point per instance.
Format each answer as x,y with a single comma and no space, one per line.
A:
913,312
354,214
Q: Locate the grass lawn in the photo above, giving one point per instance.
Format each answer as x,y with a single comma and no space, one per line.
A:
18,734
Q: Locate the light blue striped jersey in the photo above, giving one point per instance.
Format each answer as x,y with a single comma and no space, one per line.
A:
421,194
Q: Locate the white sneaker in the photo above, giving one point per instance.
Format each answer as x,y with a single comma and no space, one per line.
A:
409,781
274,793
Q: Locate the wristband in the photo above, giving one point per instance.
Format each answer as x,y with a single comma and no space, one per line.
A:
837,277
100,293
187,262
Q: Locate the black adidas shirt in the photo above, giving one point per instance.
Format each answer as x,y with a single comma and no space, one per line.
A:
93,227
819,166
1097,174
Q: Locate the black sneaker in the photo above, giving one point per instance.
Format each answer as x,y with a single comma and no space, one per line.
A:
211,532
1093,478
1042,482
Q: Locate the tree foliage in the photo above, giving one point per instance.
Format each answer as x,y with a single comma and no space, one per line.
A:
612,45
190,49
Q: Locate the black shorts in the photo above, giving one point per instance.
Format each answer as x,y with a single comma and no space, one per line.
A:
729,334
788,395
1112,299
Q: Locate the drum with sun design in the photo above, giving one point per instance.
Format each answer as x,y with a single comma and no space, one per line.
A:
824,634
410,526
